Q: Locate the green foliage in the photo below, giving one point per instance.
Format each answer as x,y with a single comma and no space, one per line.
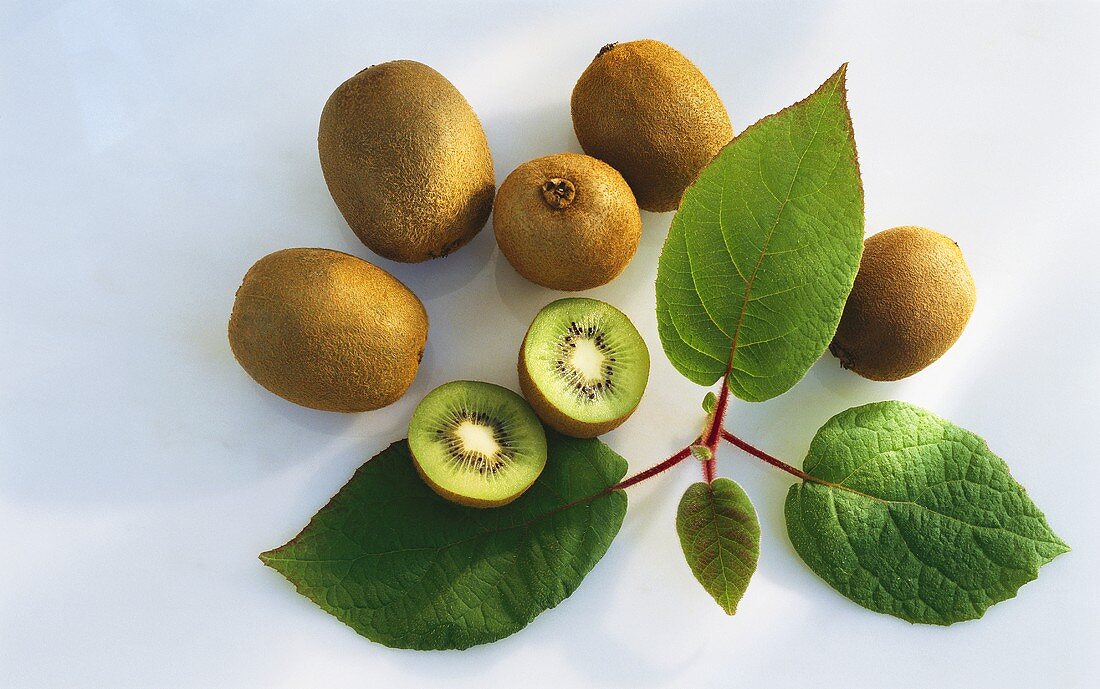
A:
404,567
764,249
720,537
915,516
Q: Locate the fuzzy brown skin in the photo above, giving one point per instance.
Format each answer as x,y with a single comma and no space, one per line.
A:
327,330
648,111
911,300
406,161
567,221
554,417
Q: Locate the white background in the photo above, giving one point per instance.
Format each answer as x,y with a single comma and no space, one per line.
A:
150,153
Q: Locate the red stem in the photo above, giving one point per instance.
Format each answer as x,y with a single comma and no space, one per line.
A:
774,461
628,482
652,471
709,467
715,431
636,478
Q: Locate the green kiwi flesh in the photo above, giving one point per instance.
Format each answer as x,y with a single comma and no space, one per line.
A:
583,366
477,444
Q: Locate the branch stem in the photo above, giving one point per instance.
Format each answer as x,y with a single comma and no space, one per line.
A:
715,430
652,471
774,461
709,470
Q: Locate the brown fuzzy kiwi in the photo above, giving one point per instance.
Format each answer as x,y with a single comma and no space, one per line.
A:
912,298
327,330
406,161
648,111
567,221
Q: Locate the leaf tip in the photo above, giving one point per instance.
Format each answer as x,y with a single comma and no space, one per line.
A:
836,83
1061,548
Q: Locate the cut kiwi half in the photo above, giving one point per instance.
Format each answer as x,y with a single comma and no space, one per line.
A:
583,366
477,444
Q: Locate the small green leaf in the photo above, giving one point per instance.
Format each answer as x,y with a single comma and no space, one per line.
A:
720,537
916,518
702,453
710,401
408,569
764,249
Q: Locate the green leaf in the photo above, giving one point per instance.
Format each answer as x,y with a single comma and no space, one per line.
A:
720,537
408,569
916,517
701,453
710,401
764,249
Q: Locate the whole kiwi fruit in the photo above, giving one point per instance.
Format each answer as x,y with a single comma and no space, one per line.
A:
650,113
567,221
406,160
327,330
912,297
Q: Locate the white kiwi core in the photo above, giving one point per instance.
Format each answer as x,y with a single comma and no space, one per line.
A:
587,359
478,438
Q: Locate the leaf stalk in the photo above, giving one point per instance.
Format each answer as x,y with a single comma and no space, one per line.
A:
774,461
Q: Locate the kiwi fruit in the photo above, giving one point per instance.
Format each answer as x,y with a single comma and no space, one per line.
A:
583,366
327,330
406,161
911,299
650,113
567,221
477,444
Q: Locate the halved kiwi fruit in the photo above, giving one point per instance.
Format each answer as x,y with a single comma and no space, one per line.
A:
583,366
477,444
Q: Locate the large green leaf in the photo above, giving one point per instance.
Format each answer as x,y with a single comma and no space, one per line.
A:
916,517
720,537
764,249
408,569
